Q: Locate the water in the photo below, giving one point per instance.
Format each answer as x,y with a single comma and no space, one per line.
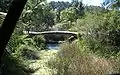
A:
53,46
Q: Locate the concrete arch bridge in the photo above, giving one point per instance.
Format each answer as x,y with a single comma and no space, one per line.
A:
55,36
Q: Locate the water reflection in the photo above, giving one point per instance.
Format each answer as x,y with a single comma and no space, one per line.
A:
53,46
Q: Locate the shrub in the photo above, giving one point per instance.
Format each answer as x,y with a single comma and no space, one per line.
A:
40,41
21,49
72,60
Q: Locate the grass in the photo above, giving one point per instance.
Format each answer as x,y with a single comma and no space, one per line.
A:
71,60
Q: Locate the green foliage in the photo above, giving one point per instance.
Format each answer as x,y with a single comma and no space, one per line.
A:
40,42
37,16
72,13
57,16
1,20
60,5
95,10
17,40
69,14
21,49
100,29
100,32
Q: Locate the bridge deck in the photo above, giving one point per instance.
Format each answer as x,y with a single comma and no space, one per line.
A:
50,32
55,36
2,13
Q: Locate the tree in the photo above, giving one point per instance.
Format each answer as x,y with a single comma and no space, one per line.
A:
113,4
95,9
37,16
80,9
68,14
75,3
57,16
60,5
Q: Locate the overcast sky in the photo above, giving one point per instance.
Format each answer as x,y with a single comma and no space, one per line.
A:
88,2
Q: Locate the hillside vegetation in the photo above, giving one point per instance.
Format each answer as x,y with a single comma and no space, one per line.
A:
95,52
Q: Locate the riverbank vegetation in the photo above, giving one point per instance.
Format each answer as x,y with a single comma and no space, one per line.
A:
95,52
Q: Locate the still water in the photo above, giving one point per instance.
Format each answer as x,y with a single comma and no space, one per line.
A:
53,46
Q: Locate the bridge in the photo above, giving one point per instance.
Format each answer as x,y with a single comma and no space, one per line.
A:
51,36
50,32
2,13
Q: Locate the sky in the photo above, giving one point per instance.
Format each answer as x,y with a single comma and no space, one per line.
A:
88,2
92,2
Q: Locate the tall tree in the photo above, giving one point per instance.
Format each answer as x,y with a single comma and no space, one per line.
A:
37,15
60,5
69,14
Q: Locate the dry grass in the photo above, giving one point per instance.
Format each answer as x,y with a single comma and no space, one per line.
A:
71,61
